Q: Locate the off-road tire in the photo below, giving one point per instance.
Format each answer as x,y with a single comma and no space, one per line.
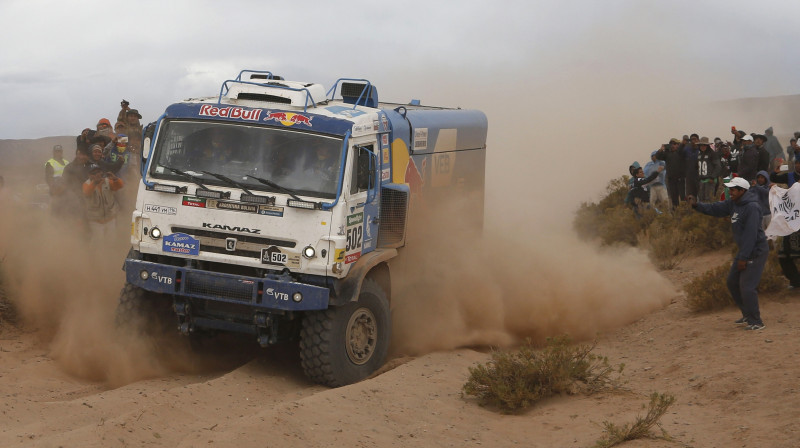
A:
345,344
144,312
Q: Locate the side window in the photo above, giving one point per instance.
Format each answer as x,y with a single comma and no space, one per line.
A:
360,175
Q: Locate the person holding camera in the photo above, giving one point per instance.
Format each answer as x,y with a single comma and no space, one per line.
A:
101,203
745,274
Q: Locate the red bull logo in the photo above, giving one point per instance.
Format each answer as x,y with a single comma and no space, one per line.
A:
288,118
208,110
414,177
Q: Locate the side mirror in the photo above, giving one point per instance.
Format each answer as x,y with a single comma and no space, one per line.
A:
147,141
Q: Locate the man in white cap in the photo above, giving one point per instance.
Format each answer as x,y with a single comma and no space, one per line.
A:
745,274
748,159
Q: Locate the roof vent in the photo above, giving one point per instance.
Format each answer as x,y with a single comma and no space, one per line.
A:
359,94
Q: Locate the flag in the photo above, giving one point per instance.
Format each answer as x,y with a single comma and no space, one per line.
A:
785,206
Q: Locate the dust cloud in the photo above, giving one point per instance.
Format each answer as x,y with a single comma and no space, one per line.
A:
66,290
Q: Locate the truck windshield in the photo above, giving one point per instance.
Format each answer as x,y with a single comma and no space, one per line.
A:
306,164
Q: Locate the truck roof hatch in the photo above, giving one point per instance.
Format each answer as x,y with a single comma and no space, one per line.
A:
273,91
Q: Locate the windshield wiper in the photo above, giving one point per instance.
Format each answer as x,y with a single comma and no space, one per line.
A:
229,181
194,179
274,185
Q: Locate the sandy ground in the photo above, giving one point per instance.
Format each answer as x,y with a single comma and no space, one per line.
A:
733,388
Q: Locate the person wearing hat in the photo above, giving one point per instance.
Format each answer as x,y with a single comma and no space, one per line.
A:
673,159
104,128
748,264
134,130
54,169
760,140
101,203
124,107
708,168
639,195
748,159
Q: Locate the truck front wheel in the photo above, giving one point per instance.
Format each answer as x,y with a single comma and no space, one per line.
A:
345,344
142,311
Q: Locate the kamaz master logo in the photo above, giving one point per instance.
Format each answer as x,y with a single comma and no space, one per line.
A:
231,228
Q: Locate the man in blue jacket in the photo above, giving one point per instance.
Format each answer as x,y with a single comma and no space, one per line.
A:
745,273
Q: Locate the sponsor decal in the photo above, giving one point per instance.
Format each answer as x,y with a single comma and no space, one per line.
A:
385,139
385,174
190,201
208,110
375,126
385,122
288,118
420,139
339,255
181,243
274,255
385,156
355,237
270,210
208,225
233,206
163,279
346,111
277,295
161,209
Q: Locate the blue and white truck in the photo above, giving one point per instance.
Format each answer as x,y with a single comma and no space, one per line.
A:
277,208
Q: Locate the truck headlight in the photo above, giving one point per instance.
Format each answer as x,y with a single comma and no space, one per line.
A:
155,233
309,252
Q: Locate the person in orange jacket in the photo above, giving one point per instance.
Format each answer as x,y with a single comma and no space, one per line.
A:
101,203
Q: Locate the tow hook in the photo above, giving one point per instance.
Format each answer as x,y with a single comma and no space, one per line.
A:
184,312
267,334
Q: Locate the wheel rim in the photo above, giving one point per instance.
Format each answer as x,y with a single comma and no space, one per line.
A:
362,336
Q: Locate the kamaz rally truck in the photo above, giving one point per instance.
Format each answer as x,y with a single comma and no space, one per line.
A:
276,209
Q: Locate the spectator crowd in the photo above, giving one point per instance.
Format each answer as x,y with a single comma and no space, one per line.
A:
86,190
730,178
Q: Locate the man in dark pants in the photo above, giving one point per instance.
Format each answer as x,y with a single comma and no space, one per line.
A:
745,274
675,170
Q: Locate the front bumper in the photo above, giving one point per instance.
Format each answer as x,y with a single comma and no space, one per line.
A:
268,294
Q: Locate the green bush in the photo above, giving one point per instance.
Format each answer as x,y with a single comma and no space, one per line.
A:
514,381
640,428
710,291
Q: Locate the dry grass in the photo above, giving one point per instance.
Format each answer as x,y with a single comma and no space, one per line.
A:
514,381
641,427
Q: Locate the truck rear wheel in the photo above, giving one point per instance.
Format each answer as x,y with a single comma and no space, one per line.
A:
345,344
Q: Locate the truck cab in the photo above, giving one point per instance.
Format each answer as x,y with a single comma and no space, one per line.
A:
274,209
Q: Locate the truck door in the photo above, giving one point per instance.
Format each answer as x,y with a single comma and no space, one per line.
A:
362,202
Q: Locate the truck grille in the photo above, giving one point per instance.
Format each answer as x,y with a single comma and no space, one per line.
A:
246,245
394,204
218,287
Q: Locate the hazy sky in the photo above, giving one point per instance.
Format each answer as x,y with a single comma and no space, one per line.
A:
557,79
63,65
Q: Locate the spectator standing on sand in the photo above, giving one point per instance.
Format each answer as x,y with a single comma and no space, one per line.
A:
789,246
707,170
54,169
658,187
674,166
70,204
690,152
748,159
98,159
748,264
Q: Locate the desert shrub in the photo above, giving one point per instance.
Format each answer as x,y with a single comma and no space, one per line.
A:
710,291
7,311
709,232
590,216
514,381
641,427
667,245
